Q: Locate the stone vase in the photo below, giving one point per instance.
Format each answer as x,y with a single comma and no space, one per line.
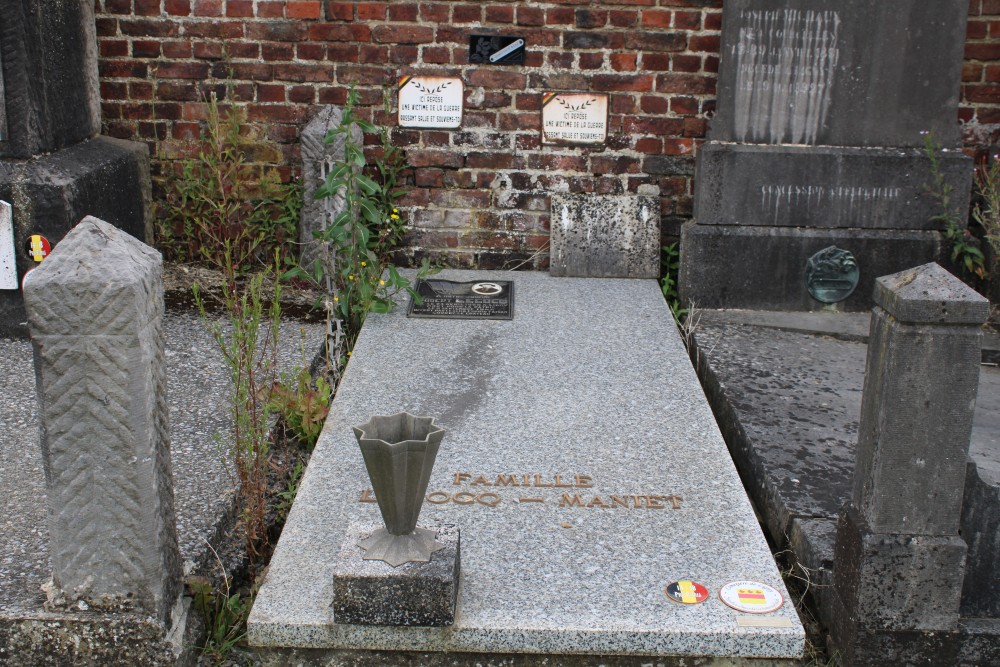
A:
399,452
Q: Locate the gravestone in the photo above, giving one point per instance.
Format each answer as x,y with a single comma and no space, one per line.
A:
818,142
900,561
95,308
605,236
318,159
54,168
586,474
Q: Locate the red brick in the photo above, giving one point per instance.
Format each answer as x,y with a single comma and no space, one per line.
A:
559,16
373,54
270,92
695,127
992,72
496,78
207,7
239,8
624,18
991,7
678,146
982,51
435,13
279,113
118,6
339,11
277,31
403,12
469,13
140,90
409,34
142,48
560,59
704,43
656,41
322,72
654,104
437,55
177,7
981,93
248,50
690,84
110,48
591,60
271,10
684,63
372,11
649,145
215,29
656,18
176,49
590,18
403,55
301,94
624,62
639,83
175,70
147,8
177,91
713,21
114,90
333,95
623,104
684,106
327,32
342,53
530,16
593,40
145,27
248,71
122,68
307,51
656,125
687,20
499,14
271,51
972,72
303,9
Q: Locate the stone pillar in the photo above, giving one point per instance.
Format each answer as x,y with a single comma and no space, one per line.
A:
899,560
318,158
95,311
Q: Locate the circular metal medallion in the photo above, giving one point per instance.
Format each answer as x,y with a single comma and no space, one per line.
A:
751,597
832,275
686,592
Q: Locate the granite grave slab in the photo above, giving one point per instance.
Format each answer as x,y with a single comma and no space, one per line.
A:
583,467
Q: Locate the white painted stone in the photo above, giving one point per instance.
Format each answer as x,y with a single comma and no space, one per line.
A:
589,382
8,259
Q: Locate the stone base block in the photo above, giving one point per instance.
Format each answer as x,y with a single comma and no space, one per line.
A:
898,582
371,592
764,268
104,177
605,236
824,186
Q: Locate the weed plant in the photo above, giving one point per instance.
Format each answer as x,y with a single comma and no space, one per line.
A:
219,203
670,264
986,211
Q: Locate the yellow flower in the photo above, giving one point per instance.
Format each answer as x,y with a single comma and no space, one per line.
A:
394,216
364,263
395,210
381,282
336,299
350,277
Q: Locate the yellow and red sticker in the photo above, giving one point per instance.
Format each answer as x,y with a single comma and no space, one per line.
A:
37,247
751,597
686,592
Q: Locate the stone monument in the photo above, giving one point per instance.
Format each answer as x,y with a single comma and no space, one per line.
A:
900,560
54,167
95,308
818,144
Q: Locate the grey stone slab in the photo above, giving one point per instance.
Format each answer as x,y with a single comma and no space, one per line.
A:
980,529
840,72
825,187
929,294
369,592
605,236
95,310
726,266
574,569
318,159
107,178
50,85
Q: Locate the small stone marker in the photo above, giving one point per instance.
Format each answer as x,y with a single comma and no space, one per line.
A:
574,118
95,310
474,300
605,236
431,102
318,158
8,259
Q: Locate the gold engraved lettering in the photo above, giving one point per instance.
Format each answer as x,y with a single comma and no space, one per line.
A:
676,501
527,480
489,499
461,477
563,485
584,481
367,497
570,500
506,480
539,482
480,480
619,501
597,501
463,498
637,502
653,502
438,497
531,500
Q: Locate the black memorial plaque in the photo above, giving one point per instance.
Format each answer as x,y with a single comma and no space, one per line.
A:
496,50
473,300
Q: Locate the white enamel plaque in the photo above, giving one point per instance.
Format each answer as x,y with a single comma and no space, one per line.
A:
8,261
574,118
431,102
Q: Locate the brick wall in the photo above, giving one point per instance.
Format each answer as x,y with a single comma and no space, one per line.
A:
480,195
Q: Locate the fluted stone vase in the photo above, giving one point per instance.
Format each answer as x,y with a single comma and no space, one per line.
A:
399,452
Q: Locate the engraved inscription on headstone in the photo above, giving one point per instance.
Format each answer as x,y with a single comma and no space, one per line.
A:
474,300
574,118
431,102
786,60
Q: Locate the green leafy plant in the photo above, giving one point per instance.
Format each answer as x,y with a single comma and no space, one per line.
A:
965,253
247,337
302,404
670,264
287,497
220,200
224,611
356,272
986,211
